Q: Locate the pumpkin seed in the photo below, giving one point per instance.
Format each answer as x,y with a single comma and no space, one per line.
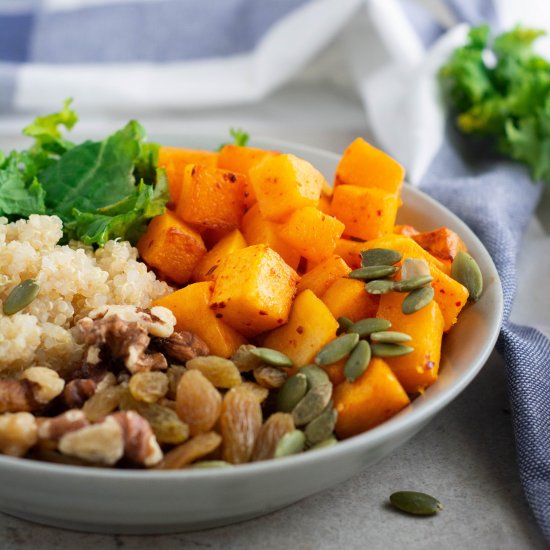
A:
211,464
465,270
20,296
390,350
328,442
379,286
390,337
417,299
413,502
290,444
312,404
343,324
406,285
373,272
272,357
380,256
315,375
292,391
367,326
321,428
358,361
337,349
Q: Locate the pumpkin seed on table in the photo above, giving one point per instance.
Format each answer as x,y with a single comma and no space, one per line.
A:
321,428
292,391
407,285
465,270
390,337
390,350
367,326
413,502
336,349
380,286
272,357
312,404
373,272
358,361
20,296
314,375
380,256
417,299
290,444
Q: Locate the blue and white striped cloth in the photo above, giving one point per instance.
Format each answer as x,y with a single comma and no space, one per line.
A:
170,54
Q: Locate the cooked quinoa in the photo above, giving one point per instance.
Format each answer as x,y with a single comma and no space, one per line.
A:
73,280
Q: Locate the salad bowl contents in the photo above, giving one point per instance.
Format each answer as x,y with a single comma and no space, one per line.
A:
172,313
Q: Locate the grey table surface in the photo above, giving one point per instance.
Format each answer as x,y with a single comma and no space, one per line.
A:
465,457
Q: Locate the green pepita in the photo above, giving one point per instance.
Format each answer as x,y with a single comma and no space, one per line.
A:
321,428
315,375
358,361
413,502
328,442
380,256
337,349
292,391
20,296
290,444
417,299
272,357
390,337
312,404
211,464
465,270
390,350
343,324
367,326
379,286
406,285
373,272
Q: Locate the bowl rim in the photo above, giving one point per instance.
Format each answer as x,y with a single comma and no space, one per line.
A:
400,423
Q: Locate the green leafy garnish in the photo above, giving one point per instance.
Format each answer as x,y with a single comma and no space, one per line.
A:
100,189
500,89
240,138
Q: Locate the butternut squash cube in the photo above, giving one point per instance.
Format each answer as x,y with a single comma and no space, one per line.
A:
367,213
240,159
365,165
311,232
172,247
418,369
324,204
204,270
348,298
256,230
350,251
309,328
283,183
191,307
369,400
253,290
175,159
211,198
443,243
320,277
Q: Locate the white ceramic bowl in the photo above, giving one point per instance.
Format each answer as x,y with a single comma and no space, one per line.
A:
114,501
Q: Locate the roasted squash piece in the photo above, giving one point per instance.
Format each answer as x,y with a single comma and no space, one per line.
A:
211,198
369,400
283,183
348,298
320,277
191,307
418,369
324,204
350,251
367,213
443,243
175,159
172,247
256,230
365,165
311,232
204,270
253,290
309,328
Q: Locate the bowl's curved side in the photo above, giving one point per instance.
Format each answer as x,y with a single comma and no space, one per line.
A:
104,500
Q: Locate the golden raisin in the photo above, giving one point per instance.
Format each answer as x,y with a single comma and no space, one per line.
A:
221,372
198,447
270,377
148,386
277,425
102,403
